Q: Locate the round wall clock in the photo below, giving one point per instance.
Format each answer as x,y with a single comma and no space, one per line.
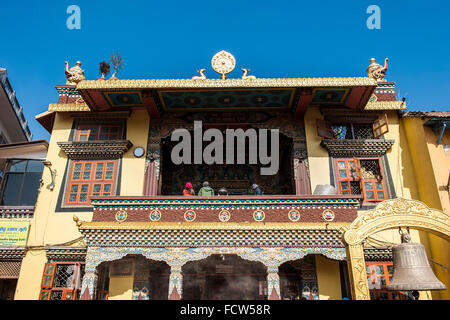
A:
138,152
223,63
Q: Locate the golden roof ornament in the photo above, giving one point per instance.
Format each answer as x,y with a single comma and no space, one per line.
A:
377,71
223,63
75,74
245,76
202,75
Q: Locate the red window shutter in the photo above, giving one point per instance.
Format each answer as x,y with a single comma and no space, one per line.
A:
325,130
380,127
358,168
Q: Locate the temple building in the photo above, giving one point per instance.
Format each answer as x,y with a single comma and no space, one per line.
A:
353,167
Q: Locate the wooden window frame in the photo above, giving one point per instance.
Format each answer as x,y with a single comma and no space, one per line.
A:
99,131
49,288
91,182
380,127
358,177
387,279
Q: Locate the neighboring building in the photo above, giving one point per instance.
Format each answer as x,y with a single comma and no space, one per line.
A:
429,143
13,125
115,226
22,164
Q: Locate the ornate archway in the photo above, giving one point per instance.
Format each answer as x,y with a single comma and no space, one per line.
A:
388,214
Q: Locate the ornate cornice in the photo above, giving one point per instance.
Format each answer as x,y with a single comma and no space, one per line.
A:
68,107
356,147
385,105
16,212
378,254
108,225
66,253
228,201
211,237
95,149
13,253
227,83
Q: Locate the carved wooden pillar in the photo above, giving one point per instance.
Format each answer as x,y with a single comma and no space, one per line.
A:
89,284
356,266
273,283
175,283
301,169
153,165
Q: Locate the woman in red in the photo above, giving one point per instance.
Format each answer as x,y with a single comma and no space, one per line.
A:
188,190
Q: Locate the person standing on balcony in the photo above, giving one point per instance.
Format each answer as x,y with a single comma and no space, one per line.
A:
206,190
256,190
188,190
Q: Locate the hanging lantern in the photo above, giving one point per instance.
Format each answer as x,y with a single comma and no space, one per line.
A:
412,272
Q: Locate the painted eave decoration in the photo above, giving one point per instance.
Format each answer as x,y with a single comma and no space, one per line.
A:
294,94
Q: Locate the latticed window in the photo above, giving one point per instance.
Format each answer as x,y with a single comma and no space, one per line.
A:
379,275
90,178
361,176
92,132
62,281
330,130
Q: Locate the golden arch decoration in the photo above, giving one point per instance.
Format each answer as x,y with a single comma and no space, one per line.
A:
388,214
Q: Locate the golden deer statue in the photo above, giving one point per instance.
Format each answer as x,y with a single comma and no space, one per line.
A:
245,76
202,75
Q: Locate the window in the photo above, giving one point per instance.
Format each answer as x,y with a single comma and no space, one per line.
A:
379,275
21,182
62,281
93,132
329,130
90,178
361,176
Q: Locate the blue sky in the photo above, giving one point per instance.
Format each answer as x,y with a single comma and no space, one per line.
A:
171,39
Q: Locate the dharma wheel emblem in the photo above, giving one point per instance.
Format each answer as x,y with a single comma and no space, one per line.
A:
223,63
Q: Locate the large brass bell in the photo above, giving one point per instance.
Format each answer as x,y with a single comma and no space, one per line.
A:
412,272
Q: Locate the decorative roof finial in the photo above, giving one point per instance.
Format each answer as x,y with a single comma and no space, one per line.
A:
377,71
245,76
75,74
202,75
223,63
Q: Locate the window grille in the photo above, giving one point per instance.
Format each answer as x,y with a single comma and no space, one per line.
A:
62,281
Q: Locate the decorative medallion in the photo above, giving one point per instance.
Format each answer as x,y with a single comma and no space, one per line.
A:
224,215
138,152
328,215
259,215
155,215
294,215
223,63
190,215
121,216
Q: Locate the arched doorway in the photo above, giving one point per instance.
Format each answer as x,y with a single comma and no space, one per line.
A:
298,279
148,279
224,277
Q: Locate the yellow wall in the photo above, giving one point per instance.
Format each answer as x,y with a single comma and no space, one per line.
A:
318,160
121,288
50,228
431,169
328,278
